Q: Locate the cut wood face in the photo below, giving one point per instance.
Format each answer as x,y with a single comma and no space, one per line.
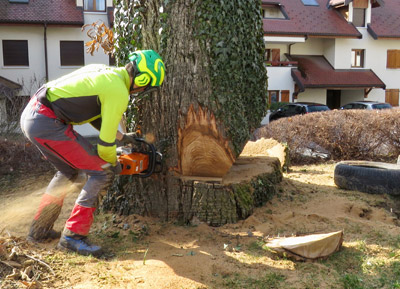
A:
202,148
247,168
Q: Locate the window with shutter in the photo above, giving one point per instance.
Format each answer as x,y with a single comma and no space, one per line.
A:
267,55
285,96
94,5
359,17
72,53
273,11
392,96
273,96
360,3
357,58
393,58
272,56
15,53
276,55
310,2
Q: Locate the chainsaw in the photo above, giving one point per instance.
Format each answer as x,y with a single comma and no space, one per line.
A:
140,159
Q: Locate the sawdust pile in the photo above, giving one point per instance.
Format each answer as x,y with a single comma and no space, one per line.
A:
266,147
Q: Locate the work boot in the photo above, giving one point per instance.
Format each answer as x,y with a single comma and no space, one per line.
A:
41,235
41,229
72,242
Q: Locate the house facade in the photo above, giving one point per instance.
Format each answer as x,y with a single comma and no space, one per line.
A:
332,51
41,40
327,51
44,39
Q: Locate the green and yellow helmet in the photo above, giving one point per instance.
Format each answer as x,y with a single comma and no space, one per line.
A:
150,69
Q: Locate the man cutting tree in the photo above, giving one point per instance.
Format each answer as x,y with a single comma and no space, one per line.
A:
95,94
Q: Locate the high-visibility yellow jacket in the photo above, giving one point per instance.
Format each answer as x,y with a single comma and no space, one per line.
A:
90,94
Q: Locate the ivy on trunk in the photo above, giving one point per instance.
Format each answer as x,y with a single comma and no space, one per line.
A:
213,97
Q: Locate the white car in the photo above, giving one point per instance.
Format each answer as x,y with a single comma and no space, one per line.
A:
366,105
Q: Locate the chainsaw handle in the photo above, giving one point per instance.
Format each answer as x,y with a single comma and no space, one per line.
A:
152,158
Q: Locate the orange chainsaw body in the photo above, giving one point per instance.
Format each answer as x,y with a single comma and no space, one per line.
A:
133,163
141,160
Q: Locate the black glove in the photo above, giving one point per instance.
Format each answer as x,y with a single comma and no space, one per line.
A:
129,137
115,170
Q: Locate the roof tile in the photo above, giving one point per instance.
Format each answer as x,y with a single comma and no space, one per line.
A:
315,71
309,20
42,11
385,20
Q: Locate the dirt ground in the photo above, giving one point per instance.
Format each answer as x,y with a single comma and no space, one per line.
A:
147,253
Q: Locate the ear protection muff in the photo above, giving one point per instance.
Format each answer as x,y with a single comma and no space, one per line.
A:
142,80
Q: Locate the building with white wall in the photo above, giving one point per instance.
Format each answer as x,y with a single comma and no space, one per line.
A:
332,51
41,40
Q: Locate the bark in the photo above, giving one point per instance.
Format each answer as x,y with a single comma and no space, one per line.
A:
196,149
250,183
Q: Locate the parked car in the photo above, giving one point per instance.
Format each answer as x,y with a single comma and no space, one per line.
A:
366,105
296,108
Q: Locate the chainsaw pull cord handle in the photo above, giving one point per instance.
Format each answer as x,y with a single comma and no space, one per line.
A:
152,158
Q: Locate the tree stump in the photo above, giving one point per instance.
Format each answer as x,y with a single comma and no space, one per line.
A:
250,182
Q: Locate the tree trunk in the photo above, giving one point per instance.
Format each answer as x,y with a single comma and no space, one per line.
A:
210,102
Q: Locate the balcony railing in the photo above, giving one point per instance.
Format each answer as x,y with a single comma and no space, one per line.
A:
281,63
